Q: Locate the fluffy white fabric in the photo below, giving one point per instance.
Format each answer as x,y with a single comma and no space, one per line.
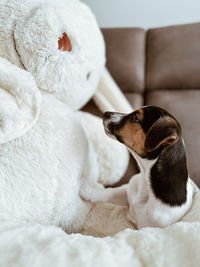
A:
41,171
109,96
112,157
29,34
45,151
37,245
20,101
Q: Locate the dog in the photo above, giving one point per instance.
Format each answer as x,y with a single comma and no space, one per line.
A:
162,192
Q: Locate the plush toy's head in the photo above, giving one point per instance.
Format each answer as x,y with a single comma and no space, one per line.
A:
58,42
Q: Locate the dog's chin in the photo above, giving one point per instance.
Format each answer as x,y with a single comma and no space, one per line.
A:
106,123
109,134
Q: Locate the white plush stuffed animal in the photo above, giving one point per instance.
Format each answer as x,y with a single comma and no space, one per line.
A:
51,62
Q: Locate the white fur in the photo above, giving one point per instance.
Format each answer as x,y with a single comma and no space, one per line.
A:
38,245
30,30
109,97
40,172
106,149
20,101
45,151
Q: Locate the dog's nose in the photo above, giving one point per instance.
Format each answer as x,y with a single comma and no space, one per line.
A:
107,115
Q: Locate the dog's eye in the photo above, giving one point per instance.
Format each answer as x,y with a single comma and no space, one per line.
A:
134,118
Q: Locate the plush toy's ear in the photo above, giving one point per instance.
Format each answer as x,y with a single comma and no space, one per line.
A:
109,96
20,101
165,131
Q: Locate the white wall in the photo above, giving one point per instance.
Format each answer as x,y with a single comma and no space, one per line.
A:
144,13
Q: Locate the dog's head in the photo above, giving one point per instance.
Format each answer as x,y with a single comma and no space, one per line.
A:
146,131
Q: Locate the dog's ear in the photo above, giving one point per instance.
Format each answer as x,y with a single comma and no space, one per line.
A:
165,131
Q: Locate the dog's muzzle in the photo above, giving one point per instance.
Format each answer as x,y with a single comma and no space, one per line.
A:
111,122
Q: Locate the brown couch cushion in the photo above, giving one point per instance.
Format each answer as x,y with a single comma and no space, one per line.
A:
173,57
136,100
184,105
125,50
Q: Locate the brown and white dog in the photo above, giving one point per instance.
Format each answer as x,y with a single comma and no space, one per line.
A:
162,192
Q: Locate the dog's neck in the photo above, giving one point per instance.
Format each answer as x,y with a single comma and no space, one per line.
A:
167,174
144,165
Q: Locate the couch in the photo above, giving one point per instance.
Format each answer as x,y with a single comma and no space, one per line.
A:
159,66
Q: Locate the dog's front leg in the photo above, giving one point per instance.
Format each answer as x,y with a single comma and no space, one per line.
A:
116,196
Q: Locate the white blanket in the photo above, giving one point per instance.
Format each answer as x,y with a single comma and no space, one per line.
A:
41,245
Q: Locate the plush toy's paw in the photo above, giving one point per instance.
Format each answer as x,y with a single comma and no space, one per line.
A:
84,192
20,101
112,157
89,192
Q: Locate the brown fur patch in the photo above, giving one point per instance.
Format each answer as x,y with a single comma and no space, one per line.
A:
140,114
133,136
